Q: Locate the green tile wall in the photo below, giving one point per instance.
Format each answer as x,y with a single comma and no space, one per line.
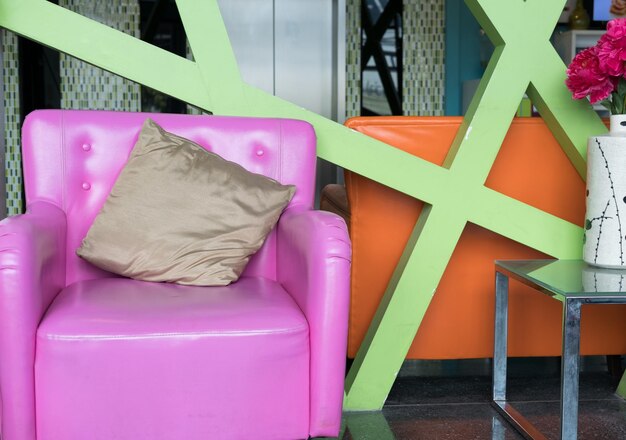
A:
12,125
353,58
423,80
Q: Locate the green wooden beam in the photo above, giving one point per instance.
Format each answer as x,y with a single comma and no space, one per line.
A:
107,48
513,68
402,308
206,34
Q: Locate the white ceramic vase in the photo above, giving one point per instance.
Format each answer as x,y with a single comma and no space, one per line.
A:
605,218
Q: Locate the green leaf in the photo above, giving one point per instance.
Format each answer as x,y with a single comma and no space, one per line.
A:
617,107
587,224
612,98
621,87
606,103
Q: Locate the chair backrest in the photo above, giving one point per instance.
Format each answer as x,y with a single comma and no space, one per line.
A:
530,167
72,159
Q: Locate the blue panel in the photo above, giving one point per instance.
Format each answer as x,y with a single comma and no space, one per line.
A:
464,60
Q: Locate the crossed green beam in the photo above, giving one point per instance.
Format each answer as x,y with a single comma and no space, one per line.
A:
454,194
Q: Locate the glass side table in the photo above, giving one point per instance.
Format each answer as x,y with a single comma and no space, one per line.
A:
574,283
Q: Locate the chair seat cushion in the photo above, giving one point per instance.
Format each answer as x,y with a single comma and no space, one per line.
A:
121,307
172,346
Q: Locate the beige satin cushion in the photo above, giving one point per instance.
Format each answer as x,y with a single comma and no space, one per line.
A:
182,214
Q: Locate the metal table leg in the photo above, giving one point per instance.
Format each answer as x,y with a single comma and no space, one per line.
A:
570,366
498,431
500,337
520,423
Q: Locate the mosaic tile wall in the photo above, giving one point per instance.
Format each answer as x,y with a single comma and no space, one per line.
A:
12,125
423,42
353,58
87,87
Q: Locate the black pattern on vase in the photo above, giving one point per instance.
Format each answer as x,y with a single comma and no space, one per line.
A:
604,240
589,225
619,220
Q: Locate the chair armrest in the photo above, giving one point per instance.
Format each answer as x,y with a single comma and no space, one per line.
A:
334,198
32,272
314,267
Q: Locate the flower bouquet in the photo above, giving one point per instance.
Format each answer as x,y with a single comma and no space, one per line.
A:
598,72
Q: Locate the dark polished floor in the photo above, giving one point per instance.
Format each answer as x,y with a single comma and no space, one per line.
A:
451,400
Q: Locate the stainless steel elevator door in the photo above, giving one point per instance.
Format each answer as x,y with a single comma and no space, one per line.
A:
290,48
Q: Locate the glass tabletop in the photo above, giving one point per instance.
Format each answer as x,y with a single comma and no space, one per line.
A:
568,278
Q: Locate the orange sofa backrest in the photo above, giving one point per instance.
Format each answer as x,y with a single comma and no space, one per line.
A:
530,167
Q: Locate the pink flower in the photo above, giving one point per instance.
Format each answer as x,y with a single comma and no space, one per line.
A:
611,48
585,78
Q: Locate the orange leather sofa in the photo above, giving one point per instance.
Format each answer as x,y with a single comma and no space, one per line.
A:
530,167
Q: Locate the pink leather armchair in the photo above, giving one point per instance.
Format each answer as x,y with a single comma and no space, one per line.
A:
88,355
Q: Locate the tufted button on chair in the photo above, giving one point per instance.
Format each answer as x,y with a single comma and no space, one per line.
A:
85,354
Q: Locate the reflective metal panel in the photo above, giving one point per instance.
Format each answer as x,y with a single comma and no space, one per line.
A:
305,53
294,49
250,28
